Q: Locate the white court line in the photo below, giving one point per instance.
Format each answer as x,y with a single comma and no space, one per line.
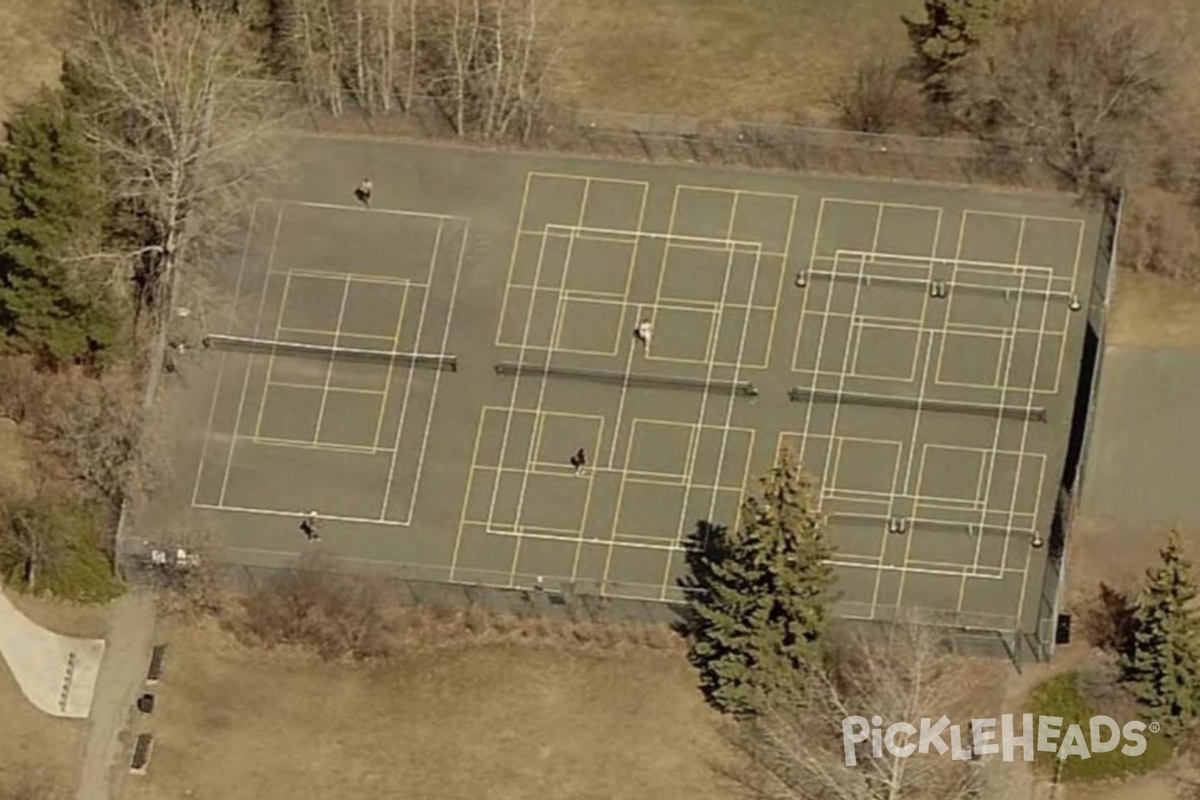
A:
320,447
437,378
539,413
341,275
683,240
1020,463
462,517
998,427
967,264
332,361
859,324
360,210
237,421
395,345
267,381
271,512
512,261
714,342
319,332
883,545
212,409
999,423
314,388
517,381
846,350
962,571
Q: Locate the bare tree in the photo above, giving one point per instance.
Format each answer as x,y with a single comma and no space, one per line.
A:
315,605
1161,233
31,539
873,97
902,674
175,111
1087,85
93,435
489,63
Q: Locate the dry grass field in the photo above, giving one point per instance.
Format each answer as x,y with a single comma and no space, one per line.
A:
31,35
774,60
30,739
1152,311
505,723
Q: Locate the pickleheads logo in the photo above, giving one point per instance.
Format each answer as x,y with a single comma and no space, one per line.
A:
993,737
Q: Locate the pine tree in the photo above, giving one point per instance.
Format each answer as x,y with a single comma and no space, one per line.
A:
950,31
1162,665
50,205
761,605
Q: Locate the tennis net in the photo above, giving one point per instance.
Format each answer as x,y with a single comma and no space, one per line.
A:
1030,413
739,388
273,347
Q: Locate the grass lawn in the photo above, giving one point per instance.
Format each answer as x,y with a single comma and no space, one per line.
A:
501,722
1061,696
717,59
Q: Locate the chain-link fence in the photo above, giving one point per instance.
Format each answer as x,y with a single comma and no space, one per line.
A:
668,138
750,145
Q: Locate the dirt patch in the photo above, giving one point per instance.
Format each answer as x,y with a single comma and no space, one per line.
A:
31,35
1152,311
714,59
30,739
483,721
68,619
15,473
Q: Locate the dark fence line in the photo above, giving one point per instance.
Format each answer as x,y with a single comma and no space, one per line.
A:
747,145
680,139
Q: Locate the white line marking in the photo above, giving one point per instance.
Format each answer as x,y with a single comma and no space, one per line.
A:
249,364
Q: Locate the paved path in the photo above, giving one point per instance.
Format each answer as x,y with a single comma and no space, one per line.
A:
130,641
1145,448
56,673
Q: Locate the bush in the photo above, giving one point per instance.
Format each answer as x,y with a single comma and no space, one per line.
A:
52,545
1161,234
873,97
1075,696
314,606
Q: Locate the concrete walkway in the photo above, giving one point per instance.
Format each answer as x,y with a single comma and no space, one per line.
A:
1145,449
130,641
56,673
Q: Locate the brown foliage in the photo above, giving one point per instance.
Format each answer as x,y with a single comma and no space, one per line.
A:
1160,234
873,97
343,616
794,749
1086,85
90,431
317,607
23,388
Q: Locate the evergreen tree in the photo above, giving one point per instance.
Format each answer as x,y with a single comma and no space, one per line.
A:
762,594
950,31
51,205
1162,665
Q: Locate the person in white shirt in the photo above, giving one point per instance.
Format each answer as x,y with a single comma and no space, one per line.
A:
363,192
645,330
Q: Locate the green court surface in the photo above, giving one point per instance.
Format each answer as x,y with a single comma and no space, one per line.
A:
917,346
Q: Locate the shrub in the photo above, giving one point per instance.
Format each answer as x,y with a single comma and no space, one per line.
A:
1073,696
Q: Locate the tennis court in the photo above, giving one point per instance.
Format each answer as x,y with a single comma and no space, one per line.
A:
423,372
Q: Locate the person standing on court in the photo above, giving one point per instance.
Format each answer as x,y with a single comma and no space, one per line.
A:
363,192
643,332
579,461
309,526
